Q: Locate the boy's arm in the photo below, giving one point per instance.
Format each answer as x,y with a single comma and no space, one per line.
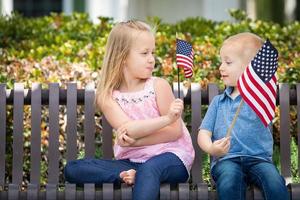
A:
217,148
204,140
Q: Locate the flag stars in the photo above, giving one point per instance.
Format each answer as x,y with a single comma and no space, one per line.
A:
265,62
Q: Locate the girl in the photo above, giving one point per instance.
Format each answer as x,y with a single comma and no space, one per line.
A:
152,143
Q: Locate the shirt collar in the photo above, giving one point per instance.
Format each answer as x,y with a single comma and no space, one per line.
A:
227,92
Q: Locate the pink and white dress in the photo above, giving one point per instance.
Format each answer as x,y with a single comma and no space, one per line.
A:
142,105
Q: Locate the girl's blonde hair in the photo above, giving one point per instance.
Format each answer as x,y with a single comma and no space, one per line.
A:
118,46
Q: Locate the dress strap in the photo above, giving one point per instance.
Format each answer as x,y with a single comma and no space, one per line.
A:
149,85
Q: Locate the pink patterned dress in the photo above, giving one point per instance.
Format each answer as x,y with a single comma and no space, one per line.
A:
142,105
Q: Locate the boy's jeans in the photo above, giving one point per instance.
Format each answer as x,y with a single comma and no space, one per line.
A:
233,175
163,168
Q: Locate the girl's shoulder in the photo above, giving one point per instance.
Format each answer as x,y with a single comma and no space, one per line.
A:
160,82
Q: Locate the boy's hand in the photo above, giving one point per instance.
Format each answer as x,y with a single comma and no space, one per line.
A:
123,139
175,110
220,147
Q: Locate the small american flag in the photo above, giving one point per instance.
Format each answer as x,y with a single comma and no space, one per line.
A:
258,84
184,57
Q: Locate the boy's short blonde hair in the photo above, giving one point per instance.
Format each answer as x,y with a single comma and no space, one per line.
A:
248,43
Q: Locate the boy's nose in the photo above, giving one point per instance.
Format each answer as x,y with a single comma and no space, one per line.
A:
221,68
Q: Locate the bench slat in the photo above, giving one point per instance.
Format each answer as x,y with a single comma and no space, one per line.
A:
70,191
165,191
17,164
184,191
257,195
213,90
295,191
126,192
108,191
51,191
196,121
2,132
35,148
106,139
53,152
285,140
71,128
89,191
175,90
13,191
298,123
32,191
202,191
89,121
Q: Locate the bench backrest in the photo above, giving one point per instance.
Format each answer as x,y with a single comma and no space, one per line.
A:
54,97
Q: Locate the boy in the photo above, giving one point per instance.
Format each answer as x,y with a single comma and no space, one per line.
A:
246,156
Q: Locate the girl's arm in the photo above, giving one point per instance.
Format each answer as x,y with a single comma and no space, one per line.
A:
141,128
159,136
171,132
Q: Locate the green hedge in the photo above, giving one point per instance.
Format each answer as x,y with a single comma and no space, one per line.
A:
60,48
66,40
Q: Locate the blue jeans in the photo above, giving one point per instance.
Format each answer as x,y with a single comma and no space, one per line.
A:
163,168
233,175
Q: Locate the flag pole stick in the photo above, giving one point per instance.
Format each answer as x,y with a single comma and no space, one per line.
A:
178,81
228,133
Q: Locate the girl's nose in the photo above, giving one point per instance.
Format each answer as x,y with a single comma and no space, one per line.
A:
151,58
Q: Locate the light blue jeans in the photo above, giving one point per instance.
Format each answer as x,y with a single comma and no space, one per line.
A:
164,168
233,175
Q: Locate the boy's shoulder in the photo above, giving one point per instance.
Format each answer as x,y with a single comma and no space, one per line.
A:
216,99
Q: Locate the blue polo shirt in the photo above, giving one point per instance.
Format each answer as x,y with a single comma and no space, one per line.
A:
249,136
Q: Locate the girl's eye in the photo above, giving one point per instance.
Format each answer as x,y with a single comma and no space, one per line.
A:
228,63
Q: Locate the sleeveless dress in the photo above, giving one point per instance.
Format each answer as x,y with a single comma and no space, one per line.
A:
142,105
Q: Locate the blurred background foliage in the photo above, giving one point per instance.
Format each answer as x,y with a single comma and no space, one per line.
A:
61,48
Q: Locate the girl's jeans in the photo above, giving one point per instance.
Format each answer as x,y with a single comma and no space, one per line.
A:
163,168
233,175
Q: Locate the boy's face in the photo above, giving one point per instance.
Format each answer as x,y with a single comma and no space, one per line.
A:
233,63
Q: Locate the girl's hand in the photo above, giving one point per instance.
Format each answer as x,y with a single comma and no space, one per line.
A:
220,147
175,110
123,139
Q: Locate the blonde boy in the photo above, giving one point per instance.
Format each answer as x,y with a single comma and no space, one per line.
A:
246,156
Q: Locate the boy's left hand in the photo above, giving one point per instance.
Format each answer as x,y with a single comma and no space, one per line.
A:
123,139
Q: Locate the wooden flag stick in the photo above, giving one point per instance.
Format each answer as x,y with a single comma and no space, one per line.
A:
178,77
234,119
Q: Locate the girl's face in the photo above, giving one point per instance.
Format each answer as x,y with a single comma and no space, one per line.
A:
140,61
233,64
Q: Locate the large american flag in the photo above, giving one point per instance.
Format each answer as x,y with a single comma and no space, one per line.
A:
258,84
184,57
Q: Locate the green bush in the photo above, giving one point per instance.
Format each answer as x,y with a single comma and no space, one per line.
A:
60,48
